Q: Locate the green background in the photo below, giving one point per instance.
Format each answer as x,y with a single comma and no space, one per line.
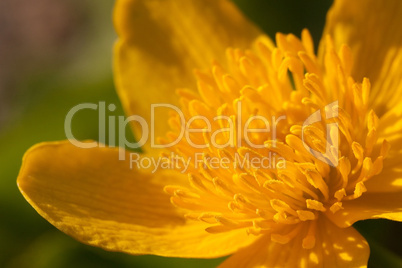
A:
60,56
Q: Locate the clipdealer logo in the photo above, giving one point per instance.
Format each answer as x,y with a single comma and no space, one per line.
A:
238,130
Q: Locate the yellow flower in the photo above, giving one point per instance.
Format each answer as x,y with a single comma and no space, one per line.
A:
328,169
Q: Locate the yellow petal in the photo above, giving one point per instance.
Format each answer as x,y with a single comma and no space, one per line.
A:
162,41
388,181
372,29
369,206
96,198
334,247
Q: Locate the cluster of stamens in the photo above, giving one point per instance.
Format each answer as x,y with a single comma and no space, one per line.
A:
288,81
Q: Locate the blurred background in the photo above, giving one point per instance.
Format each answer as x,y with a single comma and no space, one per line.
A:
55,54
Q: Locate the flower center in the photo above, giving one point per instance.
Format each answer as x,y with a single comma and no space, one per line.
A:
275,139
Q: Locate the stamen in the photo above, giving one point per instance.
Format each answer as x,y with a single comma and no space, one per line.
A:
317,181
316,205
340,194
336,207
344,169
306,215
358,153
280,206
307,41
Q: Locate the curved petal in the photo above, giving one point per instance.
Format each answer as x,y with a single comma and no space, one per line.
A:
372,29
161,42
388,181
96,198
369,206
335,247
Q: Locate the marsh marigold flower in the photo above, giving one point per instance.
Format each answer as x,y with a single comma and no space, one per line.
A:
333,143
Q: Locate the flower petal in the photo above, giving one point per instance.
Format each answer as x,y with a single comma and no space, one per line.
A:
372,29
161,42
96,198
369,206
334,247
388,181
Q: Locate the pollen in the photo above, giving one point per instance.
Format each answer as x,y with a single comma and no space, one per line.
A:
276,139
